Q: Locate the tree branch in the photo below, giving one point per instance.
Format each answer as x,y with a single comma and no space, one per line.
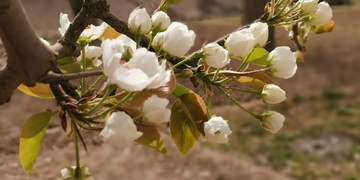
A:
28,59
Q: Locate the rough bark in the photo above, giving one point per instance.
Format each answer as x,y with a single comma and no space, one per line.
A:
28,59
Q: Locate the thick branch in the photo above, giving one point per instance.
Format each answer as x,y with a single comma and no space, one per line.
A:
29,60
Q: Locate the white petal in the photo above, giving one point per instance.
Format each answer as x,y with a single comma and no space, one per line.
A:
64,23
131,79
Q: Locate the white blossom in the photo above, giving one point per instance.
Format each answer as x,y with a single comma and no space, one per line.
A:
272,121
92,54
176,40
309,6
139,21
217,130
322,15
140,72
216,56
260,32
120,130
68,174
155,111
92,32
160,20
282,62
240,43
273,94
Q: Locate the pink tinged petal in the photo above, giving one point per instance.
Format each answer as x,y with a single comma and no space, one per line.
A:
64,23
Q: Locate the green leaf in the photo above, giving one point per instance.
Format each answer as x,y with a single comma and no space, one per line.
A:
259,57
195,109
151,138
31,137
65,61
40,90
183,130
70,68
180,90
255,81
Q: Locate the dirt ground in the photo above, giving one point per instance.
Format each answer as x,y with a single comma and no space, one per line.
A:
331,59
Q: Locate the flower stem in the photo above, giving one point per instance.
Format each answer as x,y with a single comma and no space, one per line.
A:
243,63
245,91
110,89
127,97
77,169
257,116
195,55
94,84
137,39
153,34
83,59
216,74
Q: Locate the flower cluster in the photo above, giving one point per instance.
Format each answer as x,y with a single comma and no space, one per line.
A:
320,13
132,104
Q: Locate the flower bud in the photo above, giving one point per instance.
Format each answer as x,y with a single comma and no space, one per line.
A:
69,173
282,62
217,130
155,111
272,121
309,6
120,130
273,94
260,32
176,40
160,21
215,55
322,15
140,22
240,43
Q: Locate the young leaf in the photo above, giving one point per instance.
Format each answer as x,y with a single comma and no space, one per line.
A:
195,109
183,130
259,57
109,33
255,81
151,138
31,137
180,90
70,68
65,61
40,90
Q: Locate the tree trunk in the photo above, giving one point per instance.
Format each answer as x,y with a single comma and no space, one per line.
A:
253,10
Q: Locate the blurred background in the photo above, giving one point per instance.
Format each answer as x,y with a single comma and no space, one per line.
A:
320,138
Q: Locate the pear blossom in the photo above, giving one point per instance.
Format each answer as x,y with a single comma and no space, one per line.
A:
240,43
272,121
155,111
322,15
92,54
309,6
92,32
273,94
140,72
217,130
160,20
139,21
69,173
176,40
260,32
120,130
215,55
282,62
